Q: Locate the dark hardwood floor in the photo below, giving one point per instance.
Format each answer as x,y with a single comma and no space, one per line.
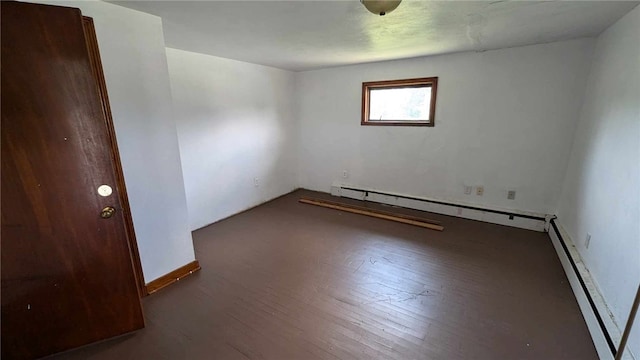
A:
293,281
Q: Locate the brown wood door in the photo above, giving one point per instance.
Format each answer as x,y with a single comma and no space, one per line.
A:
67,273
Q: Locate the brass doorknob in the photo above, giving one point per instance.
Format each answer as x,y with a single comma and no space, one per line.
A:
107,212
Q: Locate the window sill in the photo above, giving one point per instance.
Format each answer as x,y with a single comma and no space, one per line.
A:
396,123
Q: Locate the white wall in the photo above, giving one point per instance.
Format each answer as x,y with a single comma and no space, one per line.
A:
601,192
504,120
135,67
235,123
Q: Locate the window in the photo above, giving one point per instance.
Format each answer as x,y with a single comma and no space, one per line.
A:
409,102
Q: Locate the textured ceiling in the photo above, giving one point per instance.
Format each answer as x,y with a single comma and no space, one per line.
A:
304,35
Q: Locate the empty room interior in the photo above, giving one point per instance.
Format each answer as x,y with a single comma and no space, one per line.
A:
320,179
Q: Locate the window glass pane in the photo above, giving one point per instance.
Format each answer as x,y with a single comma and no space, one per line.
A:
401,104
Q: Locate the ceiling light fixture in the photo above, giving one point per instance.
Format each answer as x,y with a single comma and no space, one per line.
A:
380,7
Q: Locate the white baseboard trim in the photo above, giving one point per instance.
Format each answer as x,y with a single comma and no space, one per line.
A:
519,219
603,329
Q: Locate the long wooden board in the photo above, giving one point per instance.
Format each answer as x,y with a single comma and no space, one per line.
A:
373,213
404,216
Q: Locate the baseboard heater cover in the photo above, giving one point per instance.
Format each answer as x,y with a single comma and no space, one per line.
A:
604,341
530,221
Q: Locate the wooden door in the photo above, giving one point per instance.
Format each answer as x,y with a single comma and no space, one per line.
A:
68,275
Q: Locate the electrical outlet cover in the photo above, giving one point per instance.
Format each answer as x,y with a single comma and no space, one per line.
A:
511,195
480,190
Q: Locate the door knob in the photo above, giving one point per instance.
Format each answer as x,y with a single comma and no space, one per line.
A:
107,212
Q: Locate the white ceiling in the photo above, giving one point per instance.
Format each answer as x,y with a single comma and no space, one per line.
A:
304,35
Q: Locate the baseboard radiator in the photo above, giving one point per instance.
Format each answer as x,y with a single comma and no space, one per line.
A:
604,331
524,220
